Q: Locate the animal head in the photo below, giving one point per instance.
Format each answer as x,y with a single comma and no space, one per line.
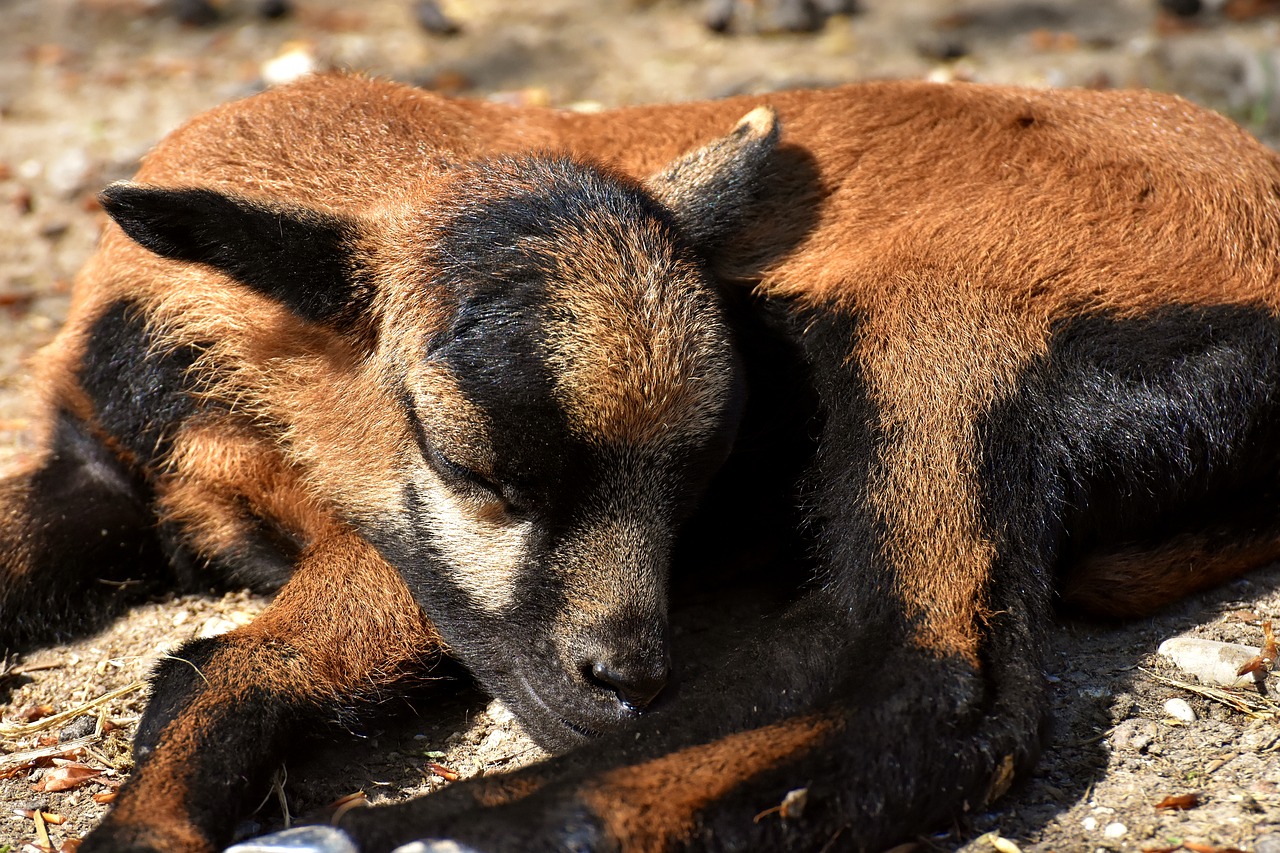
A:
564,385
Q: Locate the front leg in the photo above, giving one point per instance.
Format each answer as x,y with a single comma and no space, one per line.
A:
342,632
902,690
761,764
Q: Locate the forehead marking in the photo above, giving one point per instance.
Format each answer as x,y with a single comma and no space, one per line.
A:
637,349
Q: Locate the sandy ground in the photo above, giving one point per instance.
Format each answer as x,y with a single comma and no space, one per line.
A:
86,86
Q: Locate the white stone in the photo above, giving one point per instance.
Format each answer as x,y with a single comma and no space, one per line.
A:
499,713
1090,823
1210,661
68,173
1115,830
294,62
303,839
1180,709
215,626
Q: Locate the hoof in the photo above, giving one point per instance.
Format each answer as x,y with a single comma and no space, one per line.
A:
302,839
430,846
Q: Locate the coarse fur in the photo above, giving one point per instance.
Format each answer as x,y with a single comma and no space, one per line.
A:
467,381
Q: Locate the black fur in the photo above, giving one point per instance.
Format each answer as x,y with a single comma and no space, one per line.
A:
140,387
88,525
299,256
1140,427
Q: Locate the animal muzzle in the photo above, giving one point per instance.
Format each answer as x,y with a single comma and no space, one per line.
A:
635,676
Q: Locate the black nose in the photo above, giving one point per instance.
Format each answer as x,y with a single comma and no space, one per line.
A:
635,686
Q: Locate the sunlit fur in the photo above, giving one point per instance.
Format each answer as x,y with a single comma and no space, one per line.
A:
469,380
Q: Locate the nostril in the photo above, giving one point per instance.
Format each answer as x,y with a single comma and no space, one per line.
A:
636,688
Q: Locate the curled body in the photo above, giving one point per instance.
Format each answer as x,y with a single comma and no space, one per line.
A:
466,381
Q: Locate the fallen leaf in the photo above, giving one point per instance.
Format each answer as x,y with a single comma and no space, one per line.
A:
1263,661
26,761
31,713
342,805
47,817
1243,616
65,777
1179,802
1001,780
444,772
104,797
1004,845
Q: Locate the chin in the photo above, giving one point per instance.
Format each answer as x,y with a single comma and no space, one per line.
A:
556,718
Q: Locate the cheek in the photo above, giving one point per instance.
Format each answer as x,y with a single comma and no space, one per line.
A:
482,550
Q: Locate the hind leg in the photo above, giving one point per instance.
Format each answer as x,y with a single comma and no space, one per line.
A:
1136,579
75,527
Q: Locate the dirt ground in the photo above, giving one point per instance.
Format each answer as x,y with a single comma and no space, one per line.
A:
86,86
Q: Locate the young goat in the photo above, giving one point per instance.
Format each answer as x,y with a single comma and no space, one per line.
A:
469,380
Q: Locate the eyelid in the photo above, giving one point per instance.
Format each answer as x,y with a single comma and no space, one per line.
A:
462,475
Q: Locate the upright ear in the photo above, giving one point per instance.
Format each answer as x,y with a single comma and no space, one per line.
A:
709,189
300,257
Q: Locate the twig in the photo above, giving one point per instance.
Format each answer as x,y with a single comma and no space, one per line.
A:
42,832
26,756
17,730
1244,701
277,784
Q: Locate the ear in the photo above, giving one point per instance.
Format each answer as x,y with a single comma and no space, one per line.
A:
300,257
709,189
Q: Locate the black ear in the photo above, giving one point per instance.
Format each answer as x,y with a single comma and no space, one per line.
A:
710,189
300,257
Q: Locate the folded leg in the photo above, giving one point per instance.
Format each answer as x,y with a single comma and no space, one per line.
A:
341,633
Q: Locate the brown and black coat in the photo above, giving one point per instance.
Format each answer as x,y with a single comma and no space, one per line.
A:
473,382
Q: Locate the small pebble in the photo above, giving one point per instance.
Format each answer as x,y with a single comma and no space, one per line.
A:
295,61
498,713
432,19
1180,709
1115,830
81,726
1182,8
1136,735
195,13
942,48
273,9
214,626
1089,823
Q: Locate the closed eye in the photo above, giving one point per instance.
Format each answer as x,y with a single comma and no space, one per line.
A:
460,476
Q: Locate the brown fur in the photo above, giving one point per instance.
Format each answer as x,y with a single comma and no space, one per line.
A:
655,805
885,213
